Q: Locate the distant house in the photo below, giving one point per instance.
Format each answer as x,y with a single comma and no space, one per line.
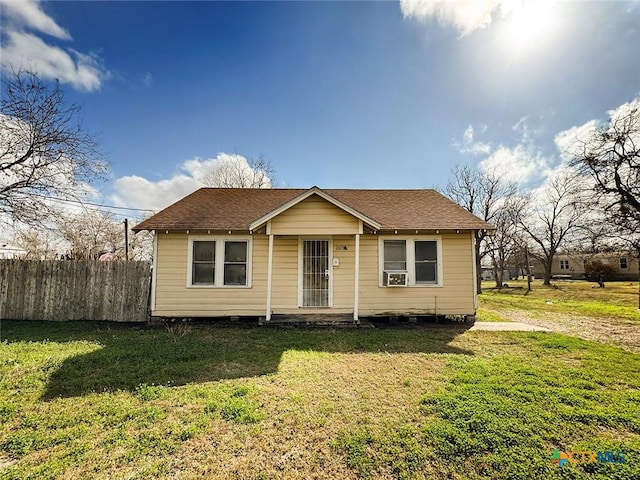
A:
572,266
9,251
266,252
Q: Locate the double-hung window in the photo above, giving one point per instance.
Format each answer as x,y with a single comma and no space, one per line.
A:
421,259
235,263
564,264
623,263
218,262
395,255
426,261
203,269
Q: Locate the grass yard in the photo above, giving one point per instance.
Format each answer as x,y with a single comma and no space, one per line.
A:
93,400
578,308
618,300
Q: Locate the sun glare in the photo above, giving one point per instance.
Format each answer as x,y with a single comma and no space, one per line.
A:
529,26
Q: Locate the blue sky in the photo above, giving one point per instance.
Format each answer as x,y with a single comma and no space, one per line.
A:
334,94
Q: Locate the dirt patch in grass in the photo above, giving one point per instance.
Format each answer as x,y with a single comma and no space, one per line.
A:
590,328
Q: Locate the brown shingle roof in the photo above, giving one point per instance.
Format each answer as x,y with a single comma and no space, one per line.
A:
237,208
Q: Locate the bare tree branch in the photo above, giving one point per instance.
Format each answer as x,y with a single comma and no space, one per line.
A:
482,194
239,172
45,150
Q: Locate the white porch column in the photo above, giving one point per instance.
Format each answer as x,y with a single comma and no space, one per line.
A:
154,272
269,277
356,277
475,271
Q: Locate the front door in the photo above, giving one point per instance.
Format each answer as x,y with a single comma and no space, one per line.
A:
315,273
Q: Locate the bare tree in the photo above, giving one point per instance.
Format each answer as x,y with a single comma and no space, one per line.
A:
558,211
611,158
91,233
44,150
141,246
236,171
480,193
39,244
505,242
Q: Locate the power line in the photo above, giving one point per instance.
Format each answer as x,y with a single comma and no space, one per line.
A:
79,202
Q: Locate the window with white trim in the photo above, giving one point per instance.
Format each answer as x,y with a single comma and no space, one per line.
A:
564,264
203,266
218,262
623,263
395,255
420,258
235,263
426,261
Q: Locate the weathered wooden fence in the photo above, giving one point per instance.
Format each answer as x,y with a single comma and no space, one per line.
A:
74,290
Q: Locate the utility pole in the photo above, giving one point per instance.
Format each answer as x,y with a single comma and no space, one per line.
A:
526,256
126,239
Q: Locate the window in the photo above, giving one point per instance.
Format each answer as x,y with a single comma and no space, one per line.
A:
564,264
395,255
235,263
219,261
426,261
420,258
204,263
623,263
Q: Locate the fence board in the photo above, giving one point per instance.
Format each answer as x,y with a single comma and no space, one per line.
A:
74,290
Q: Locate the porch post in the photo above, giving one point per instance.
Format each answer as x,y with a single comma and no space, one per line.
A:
356,277
475,272
154,273
269,277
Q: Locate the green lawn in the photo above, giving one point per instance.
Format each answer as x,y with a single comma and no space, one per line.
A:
617,301
91,400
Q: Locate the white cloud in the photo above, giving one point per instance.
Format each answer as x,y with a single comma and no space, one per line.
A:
464,15
28,13
520,164
469,146
570,142
25,50
139,192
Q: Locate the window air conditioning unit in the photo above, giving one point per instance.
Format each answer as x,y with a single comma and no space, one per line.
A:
395,279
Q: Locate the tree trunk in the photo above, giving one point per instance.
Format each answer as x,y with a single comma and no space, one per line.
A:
638,255
478,266
547,272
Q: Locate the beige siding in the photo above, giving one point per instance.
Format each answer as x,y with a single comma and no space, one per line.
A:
576,265
343,275
314,216
455,297
284,290
286,279
174,299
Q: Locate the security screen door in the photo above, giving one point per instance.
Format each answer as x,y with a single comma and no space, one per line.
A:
315,273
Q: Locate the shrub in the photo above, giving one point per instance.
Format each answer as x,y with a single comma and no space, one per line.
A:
594,268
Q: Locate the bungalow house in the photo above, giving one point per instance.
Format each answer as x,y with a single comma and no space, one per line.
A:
572,265
263,252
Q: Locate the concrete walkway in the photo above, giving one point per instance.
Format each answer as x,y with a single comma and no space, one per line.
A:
508,327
